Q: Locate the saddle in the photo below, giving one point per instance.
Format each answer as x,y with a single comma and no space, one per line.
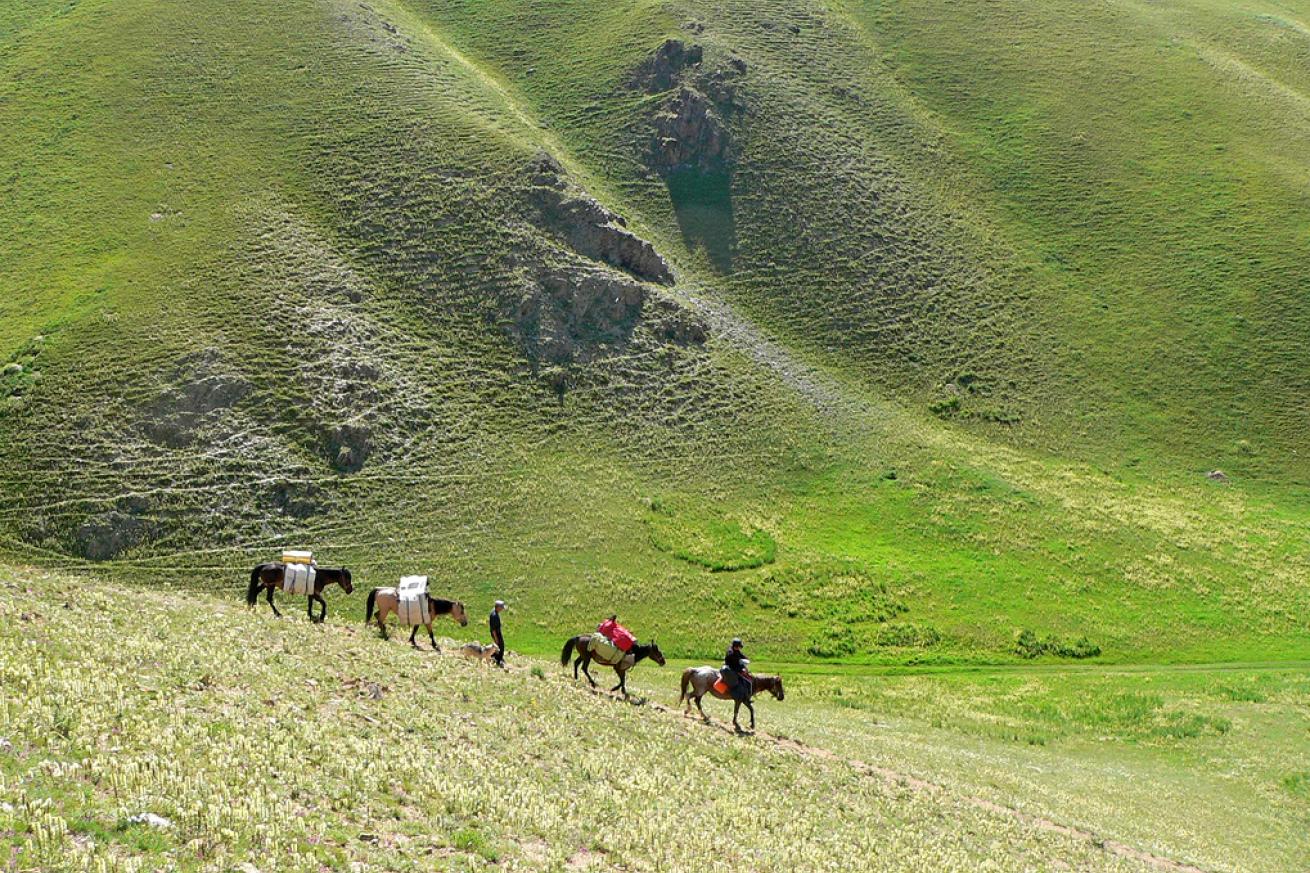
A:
412,600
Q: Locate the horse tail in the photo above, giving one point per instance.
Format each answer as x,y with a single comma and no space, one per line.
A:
568,649
372,598
252,593
686,681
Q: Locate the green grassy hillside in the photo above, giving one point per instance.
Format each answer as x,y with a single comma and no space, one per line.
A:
262,741
867,330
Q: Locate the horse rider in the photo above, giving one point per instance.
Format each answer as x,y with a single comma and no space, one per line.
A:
735,675
496,636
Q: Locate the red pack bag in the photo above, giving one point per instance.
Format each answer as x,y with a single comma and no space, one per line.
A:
617,634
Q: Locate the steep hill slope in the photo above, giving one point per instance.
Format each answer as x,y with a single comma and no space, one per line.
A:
588,303
279,743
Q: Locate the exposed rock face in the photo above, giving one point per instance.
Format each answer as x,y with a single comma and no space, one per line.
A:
688,131
349,446
109,534
173,418
568,313
689,128
662,70
591,229
298,499
573,314
571,310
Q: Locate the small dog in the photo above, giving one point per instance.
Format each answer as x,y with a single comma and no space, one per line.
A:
479,652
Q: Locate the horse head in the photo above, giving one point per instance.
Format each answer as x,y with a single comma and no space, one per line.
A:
655,654
776,690
457,612
346,584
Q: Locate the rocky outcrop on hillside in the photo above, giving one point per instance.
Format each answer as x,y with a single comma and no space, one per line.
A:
589,228
203,390
568,313
574,313
688,131
111,533
689,127
663,69
586,298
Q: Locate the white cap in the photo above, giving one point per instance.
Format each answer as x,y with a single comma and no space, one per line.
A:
500,604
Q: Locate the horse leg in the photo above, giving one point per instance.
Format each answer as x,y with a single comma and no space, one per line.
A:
736,708
435,648
586,662
322,601
751,708
622,686
576,662
271,603
309,606
382,626
413,633
703,713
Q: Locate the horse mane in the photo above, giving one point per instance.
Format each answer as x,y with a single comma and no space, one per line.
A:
443,607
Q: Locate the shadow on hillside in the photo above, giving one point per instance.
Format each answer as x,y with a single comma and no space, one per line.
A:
702,203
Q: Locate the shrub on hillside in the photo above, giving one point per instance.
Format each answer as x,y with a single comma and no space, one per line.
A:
833,642
910,636
1028,645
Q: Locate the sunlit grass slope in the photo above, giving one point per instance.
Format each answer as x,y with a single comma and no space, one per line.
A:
1091,217
261,265
309,746
1201,765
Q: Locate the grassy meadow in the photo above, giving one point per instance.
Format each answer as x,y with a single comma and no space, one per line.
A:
323,746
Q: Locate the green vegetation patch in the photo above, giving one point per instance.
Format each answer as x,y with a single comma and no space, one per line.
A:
701,536
1028,645
1298,784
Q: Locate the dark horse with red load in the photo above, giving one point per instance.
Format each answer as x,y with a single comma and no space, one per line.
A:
269,577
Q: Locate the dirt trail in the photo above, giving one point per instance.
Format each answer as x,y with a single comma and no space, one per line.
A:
893,777
827,397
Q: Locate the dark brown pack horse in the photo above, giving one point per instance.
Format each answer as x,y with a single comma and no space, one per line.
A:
699,681
582,645
269,577
387,601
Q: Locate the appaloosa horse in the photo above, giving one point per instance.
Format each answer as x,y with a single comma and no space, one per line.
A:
387,601
582,645
699,681
269,577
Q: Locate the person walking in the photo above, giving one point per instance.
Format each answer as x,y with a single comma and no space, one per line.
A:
496,636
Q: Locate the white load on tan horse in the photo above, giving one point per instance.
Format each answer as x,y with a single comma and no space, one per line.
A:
412,600
413,606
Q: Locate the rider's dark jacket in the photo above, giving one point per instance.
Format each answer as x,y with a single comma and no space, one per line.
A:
732,660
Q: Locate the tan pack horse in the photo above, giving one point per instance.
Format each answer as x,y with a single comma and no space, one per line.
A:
387,601
699,681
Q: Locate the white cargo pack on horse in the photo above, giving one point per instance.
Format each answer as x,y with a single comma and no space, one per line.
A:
299,579
290,556
412,597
